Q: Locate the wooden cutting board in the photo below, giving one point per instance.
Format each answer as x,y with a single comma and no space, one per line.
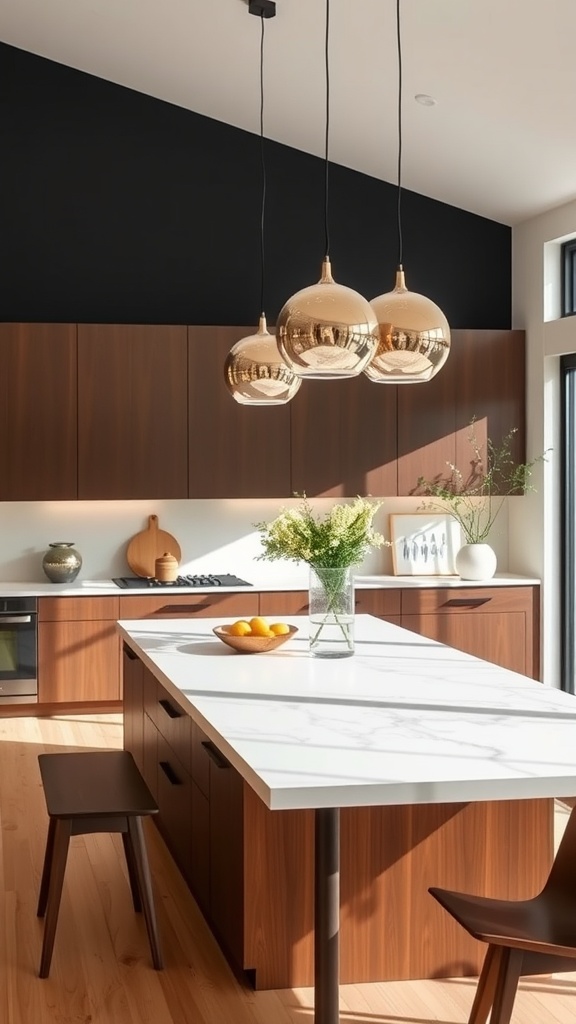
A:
148,545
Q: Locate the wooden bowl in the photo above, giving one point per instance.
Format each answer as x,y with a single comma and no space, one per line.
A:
253,644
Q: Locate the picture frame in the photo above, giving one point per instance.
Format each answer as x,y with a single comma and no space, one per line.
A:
424,544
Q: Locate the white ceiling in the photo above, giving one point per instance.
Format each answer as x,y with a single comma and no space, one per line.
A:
500,141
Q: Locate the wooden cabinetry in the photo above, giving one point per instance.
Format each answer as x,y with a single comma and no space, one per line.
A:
235,451
483,379
344,438
132,411
108,411
385,604
78,650
499,624
38,410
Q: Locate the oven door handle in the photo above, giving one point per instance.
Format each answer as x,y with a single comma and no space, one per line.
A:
14,618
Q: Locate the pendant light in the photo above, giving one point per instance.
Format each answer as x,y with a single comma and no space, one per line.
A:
414,334
327,331
254,371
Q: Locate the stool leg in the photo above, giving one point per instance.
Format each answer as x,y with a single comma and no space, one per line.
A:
506,986
132,872
47,869
486,986
62,833
137,841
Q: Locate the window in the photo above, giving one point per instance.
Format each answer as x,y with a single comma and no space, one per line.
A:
568,371
569,278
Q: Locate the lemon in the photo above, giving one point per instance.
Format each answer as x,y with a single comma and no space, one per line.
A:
260,627
240,628
279,628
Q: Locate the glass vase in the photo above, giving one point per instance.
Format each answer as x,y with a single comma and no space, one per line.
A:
331,612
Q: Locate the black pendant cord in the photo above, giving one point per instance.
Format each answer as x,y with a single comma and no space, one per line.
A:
398,211
326,230
263,166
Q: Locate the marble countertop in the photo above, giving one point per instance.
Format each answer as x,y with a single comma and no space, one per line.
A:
405,720
95,588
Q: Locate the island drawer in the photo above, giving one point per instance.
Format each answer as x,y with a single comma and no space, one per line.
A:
171,721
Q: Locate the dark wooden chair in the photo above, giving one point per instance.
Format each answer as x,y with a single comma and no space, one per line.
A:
99,791
525,937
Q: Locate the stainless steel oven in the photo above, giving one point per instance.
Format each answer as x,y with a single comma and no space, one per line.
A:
18,650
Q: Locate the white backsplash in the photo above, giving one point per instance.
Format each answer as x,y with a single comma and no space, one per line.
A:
216,536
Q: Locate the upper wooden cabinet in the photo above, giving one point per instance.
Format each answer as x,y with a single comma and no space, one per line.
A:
132,411
103,411
235,451
343,438
484,380
38,409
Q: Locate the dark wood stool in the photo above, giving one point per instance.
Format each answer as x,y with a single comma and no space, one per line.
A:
100,791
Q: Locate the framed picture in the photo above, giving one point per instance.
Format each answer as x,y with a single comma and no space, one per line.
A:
424,544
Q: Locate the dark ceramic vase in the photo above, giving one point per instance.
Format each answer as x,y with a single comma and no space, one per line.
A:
62,562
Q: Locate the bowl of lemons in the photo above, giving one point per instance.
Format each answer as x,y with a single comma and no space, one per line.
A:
256,635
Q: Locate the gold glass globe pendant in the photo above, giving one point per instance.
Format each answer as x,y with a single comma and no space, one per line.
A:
414,337
255,373
327,330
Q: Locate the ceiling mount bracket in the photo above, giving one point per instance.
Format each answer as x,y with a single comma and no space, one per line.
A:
262,8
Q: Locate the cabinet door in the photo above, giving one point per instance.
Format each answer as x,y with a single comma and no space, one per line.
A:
132,411
491,389
226,853
133,710
174,801
483,379
38,412
78,661
235,451
496,624
344,438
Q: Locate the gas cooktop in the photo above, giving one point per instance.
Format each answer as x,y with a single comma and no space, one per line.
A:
203,582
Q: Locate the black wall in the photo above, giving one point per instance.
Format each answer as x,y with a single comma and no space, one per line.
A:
115,207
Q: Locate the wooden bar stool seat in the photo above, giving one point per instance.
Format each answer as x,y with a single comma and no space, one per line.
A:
99,791
525,937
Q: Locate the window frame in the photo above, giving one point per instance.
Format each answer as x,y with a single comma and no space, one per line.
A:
568,259
568,521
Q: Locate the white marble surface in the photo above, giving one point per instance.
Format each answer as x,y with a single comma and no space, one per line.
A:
91,588
406,720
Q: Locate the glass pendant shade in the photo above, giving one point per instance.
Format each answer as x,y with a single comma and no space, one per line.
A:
414,337
327,331
255,372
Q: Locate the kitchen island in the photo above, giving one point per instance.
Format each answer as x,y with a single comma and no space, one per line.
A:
441,762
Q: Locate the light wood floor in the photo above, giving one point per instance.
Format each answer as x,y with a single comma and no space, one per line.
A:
101,971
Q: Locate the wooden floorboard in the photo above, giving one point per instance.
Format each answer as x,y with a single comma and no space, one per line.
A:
101,971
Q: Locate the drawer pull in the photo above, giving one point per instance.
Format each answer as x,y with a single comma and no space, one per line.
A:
170,773
181,609
466,602
215,755
130,653
169,708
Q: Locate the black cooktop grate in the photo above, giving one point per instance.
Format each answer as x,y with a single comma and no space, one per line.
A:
200,582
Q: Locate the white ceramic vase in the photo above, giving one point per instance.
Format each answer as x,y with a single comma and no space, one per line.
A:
475,562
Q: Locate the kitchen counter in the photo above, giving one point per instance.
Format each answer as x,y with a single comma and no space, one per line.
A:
99,588
406,720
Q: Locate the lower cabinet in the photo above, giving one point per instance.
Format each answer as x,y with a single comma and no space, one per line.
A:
498,624
78,650
251,869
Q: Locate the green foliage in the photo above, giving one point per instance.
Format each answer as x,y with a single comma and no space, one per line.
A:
341,538
476,500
